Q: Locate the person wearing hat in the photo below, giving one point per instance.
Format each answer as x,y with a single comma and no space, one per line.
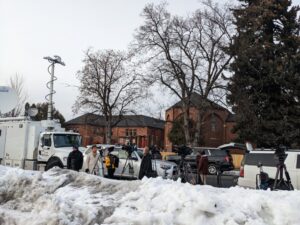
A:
75,159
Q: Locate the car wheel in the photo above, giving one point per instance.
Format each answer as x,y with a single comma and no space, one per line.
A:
212,169
53,163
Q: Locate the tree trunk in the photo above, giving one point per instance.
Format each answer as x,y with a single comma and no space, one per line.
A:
186,124
108,131
197,138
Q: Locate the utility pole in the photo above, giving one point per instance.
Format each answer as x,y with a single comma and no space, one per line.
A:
49,97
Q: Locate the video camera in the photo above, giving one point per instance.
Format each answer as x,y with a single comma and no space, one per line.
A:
182,150
128,148
280,153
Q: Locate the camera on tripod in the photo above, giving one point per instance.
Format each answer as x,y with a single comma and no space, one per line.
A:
280,153
182,150
128,148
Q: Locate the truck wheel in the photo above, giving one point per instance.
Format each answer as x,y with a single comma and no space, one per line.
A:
53,163
212,169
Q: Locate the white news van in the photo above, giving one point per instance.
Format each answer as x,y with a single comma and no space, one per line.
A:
32,145
249,169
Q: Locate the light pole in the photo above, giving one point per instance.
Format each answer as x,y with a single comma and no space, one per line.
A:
49,97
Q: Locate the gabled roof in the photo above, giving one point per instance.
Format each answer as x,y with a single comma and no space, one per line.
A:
196,100
126,121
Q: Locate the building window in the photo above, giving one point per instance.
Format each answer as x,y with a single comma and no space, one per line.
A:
130,132
213,123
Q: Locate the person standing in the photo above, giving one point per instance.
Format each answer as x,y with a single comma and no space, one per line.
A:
202,167
111,162
75,159
93,161
146,165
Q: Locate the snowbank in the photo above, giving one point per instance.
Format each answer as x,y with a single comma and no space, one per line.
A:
67,197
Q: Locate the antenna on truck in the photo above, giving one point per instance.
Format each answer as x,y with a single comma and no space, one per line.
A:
49,97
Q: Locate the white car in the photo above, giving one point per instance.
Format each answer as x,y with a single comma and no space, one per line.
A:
129,167
249,169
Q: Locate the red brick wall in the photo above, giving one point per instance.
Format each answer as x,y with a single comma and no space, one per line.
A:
215,130
96,135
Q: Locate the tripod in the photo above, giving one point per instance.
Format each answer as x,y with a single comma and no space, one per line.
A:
101,167
280,183
129,164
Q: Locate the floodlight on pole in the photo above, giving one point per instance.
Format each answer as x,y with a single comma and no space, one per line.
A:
49,97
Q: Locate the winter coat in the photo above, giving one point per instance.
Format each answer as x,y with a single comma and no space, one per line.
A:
75,160
202,164
146,166
92,163
111,161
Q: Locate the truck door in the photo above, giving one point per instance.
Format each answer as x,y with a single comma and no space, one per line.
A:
298,172
45,148
2,142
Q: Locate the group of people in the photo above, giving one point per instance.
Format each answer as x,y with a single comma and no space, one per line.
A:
75,162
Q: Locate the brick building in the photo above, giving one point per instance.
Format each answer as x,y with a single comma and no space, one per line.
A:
216,126
139,129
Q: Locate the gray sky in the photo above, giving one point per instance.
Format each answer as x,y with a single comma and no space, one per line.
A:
32,29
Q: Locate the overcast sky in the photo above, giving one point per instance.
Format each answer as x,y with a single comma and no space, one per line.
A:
32,29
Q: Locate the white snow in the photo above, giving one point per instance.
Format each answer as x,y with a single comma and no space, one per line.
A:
63,197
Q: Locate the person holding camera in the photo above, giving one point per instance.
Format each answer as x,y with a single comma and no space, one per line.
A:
92,161
111,162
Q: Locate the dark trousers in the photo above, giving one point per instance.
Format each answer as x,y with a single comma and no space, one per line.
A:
199,180
110,172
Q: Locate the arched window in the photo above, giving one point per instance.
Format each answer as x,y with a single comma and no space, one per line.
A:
213,123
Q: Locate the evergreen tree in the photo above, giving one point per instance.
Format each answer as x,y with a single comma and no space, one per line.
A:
43,113
264,88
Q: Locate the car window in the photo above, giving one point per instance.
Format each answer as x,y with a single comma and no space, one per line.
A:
217,152
116,153
298,162
267,159
123,154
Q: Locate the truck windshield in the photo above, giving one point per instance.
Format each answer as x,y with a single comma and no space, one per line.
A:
66,140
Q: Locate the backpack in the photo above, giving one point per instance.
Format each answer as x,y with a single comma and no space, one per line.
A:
111,161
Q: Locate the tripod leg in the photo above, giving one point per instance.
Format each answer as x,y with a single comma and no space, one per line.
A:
276,178
124,167
288,179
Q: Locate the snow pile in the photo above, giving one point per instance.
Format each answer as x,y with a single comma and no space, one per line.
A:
67,197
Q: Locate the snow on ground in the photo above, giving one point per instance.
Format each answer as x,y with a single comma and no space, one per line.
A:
62,197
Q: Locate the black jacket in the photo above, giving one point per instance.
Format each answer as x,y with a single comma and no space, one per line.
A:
146,167
75,160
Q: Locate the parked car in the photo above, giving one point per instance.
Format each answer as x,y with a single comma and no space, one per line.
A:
129,167
216,157
249,169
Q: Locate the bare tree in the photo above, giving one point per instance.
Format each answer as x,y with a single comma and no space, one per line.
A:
185,54
213,30
17,83
107,86
158,40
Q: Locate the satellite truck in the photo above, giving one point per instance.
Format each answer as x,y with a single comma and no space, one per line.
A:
34,145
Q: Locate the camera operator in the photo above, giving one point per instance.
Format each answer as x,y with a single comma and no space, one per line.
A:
111,162
155,152
146,165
